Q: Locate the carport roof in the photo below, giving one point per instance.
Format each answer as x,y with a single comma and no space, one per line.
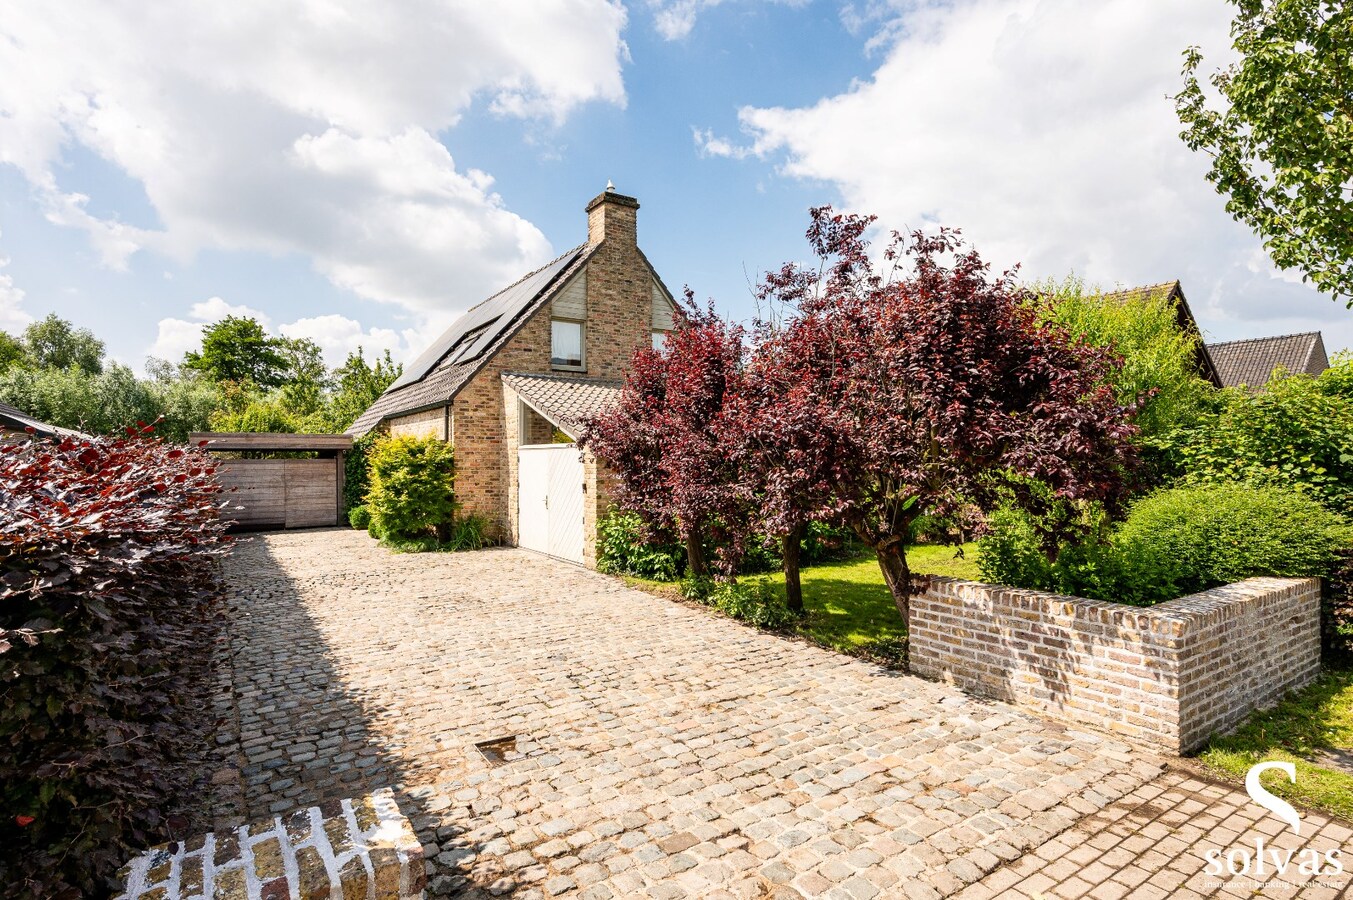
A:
13,418
567,401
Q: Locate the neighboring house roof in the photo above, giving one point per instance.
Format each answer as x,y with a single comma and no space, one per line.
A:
1171,290
444,368
12,419
1251,362
567,401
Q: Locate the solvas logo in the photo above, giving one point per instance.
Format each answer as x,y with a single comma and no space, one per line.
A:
1261,861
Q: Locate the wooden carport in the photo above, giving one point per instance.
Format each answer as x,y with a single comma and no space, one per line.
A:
281,493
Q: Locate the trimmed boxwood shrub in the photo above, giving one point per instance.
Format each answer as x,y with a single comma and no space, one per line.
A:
109,607
359,517
1175,542
412,492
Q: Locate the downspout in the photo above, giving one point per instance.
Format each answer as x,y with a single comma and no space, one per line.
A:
446,423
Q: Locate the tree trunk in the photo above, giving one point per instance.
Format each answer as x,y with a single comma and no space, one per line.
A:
893,562
793,544
696,566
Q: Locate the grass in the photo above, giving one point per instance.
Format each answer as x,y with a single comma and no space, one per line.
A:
847,605
1315,720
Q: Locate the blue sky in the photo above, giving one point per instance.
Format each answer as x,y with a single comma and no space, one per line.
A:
361,173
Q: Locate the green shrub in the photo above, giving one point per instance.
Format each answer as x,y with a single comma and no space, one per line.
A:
1009,553
412,488
1298,432
469,533
359,517
1188,539
624,549
826,542
753,602
1175,542
1336,611
697,587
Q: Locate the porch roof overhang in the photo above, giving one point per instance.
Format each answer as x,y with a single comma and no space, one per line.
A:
567,401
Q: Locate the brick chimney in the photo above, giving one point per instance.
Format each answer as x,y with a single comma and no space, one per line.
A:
611,215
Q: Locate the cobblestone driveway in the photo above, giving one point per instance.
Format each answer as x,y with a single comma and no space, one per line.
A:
660,750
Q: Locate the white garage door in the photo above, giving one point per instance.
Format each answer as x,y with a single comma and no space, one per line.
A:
550,500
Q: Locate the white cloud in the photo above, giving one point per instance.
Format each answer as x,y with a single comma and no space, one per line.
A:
301,128
12,316
1043,129
338,336
675,19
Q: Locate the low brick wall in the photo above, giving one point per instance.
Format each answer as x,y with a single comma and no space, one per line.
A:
362,848
1168,675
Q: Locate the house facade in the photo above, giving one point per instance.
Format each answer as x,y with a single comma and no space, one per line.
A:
524,369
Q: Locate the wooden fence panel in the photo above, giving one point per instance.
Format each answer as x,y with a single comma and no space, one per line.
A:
281,493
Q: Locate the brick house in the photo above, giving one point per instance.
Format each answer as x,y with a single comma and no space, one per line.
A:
511,381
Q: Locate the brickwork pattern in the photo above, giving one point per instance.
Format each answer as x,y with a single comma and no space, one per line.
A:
350,848
428,423
646,748
1153,844
1168,675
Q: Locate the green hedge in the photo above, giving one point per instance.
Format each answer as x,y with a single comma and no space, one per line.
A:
1175,542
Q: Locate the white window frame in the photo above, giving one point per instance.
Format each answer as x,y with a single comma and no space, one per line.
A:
582,346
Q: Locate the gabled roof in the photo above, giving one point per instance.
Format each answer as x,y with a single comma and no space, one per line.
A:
1251,362
1172,290
13,420
567,401
463,349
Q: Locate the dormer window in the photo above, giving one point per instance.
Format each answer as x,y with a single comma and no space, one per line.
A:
566,345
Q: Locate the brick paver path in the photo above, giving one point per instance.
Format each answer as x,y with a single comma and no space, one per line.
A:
660,750
1154,842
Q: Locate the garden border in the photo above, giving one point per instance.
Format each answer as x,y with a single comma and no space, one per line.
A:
1168,676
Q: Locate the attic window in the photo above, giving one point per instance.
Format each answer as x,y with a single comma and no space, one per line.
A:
566,345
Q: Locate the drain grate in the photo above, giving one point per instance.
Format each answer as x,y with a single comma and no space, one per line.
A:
499,750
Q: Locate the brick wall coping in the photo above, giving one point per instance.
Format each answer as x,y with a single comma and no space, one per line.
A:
1173,617
359,848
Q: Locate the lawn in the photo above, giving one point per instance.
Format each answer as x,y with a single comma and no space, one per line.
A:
1310,724
848,606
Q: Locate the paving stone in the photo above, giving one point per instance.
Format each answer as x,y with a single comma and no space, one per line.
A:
658,746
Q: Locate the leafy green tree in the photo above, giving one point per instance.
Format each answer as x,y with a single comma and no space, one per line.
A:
1159,368
53,343
359,383
238,349
1281,143
11,351
70,398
